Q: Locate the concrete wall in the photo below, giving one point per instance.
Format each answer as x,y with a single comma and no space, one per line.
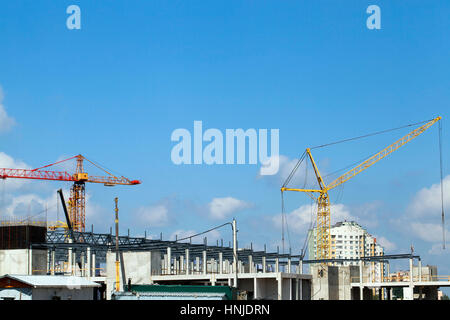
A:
334,282
428,273
270,289
319,290
138,266
306,290
17,261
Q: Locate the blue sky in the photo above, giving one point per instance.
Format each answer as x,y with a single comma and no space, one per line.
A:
115,90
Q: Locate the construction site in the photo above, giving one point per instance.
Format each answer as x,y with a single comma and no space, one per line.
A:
62,260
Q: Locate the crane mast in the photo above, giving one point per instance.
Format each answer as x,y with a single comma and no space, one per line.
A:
323,237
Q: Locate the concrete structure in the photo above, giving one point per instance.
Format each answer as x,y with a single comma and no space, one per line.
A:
136,267
23,261
356,282
43,287
423,285
148,267
334,282
267,286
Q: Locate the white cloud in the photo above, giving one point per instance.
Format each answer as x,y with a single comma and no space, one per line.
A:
304,217
181,234
422,219
6,122
24,205
430,232
386,244
427,202
154,216
437,249
221,208
9,162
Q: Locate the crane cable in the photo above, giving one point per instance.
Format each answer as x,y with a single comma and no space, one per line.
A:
283,214
370,134
442,186
288,179
284,223
198,234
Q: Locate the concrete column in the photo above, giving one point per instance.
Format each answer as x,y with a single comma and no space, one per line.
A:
88,263
300,282
69,261
192,267
410,271
235,254
74,263
205,263
169,260
227,266
289,267
83,266
277,265
250,264
213,265
186,253
420,269
255,288
30,261
164,264
361,288
408,293
53,263
94,270
220,262
280,287
300,266
182,264
264,266
197,264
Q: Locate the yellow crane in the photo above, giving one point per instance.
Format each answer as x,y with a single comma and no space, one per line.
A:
320,195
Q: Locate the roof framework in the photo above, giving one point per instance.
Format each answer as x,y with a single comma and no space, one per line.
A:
100,243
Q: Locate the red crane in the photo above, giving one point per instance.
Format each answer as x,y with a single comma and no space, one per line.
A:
77,200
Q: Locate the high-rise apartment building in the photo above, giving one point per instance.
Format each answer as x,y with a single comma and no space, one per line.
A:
350,241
